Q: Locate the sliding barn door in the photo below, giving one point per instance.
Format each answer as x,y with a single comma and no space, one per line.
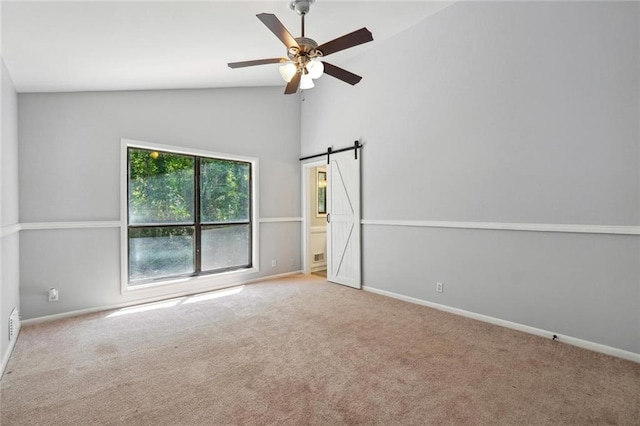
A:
343,227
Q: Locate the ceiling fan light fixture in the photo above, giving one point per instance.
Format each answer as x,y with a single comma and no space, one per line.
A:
288,70
306,82
315,68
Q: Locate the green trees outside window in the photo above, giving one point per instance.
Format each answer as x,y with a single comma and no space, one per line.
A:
187,215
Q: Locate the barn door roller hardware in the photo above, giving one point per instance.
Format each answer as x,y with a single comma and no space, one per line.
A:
355,147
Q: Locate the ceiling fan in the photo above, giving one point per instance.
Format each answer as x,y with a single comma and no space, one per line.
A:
303,63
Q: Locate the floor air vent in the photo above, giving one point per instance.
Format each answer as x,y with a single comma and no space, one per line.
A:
318,257
14,324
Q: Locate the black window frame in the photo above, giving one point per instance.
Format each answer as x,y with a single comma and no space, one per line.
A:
197,223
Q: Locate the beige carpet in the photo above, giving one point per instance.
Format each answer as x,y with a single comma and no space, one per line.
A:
301,351
321,274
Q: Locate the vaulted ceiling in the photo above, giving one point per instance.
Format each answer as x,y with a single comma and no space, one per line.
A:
109,45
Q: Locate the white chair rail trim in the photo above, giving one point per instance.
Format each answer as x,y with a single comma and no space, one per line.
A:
5,231
105,224
535,227
531,227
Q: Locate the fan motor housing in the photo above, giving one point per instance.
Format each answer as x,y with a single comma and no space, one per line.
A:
307,48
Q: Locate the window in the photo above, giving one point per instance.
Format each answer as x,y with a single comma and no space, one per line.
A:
187,215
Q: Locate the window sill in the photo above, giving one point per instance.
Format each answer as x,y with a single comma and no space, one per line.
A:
188,285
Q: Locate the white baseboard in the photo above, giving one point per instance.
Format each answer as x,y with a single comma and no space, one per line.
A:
7,355
596,347
71,314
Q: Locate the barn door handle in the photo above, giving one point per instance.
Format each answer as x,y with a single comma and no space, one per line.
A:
328,217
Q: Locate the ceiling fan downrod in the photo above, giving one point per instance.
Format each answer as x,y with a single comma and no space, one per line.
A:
301,7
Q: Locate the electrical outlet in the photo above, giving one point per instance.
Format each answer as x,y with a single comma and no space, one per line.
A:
293,263
439,288
274,263
53,295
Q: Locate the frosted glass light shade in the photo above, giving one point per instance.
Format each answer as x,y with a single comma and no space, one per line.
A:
315,68
288,70
306,82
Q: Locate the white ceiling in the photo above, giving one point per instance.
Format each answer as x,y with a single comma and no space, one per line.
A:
108,45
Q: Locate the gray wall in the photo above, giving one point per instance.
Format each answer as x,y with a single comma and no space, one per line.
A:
10,243
70,171
505,112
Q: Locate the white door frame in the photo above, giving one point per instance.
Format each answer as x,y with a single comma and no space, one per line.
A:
306,213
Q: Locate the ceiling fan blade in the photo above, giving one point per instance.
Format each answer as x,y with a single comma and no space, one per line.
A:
292,86
355,38
276,27
341,74
256,62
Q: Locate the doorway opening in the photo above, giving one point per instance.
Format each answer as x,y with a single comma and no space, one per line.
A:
314,195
